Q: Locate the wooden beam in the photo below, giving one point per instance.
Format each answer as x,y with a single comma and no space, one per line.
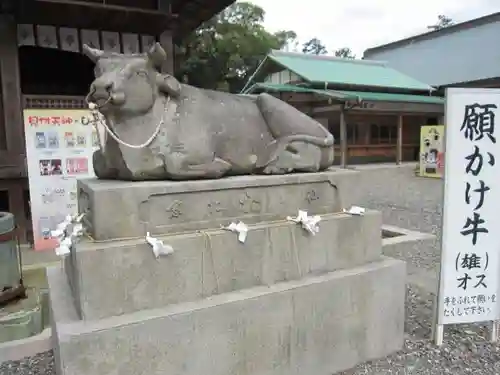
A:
399,143
343,140
103,6
11,87
81,15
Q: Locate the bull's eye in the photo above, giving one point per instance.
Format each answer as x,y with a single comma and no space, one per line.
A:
141,73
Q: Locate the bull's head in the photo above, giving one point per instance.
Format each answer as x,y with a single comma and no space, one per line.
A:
129,83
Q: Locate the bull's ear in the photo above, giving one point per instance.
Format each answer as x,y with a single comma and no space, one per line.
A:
157,55
92,53
168,85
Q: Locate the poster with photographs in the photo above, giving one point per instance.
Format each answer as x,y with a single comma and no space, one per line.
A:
59,147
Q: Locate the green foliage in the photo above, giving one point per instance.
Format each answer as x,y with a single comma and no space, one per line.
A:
314,46
226,50
345,53
443,21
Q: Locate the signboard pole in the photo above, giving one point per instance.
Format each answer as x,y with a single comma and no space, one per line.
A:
494,331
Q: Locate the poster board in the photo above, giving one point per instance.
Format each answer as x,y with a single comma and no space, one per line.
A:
470,251
432,151
59,148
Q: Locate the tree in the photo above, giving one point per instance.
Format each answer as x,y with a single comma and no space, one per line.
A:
345,52
287,39
314,46
443,21
226,50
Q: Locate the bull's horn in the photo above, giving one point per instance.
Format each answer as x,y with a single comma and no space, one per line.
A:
92,53
157,55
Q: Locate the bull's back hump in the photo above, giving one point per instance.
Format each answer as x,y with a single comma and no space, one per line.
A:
218,107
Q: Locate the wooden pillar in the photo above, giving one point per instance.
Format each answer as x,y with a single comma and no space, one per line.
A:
11,86
399,143
167,44
343,140
12,152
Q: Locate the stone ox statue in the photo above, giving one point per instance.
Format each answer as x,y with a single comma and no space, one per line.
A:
159,129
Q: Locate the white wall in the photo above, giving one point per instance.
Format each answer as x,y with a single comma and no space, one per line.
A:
466,55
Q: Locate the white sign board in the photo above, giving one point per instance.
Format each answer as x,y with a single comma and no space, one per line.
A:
59,148
469,280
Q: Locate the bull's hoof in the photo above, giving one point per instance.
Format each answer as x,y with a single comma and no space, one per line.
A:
273,169
101,169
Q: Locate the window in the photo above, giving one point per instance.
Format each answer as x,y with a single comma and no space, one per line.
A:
352,134
383,134
335,130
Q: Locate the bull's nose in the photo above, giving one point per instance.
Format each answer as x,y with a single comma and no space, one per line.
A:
105,87
108,86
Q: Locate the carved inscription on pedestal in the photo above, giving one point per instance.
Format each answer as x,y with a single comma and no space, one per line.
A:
248,204
311,196
215,207
169,212
174,209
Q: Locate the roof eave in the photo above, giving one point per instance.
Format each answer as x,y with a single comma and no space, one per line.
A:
422,89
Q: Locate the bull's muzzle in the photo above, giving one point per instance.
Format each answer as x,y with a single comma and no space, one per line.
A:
104,95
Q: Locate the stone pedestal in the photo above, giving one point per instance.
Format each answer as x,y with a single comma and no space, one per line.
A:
284,302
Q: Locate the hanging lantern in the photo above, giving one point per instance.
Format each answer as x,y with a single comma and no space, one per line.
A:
11,280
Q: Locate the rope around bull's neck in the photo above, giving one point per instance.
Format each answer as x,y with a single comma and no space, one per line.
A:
94,108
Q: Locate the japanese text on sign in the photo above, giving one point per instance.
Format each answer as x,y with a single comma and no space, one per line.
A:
470,262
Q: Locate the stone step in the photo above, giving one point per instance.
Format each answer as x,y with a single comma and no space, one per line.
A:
119,277
22,319
317,325
118,209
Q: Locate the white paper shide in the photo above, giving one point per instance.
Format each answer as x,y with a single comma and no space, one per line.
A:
309,223
67,233
471,239
158,246
241,228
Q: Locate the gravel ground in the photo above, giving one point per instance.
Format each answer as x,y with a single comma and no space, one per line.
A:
42,364
413,203
465,349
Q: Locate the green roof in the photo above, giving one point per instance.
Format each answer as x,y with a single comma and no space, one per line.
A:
274,87
340,71
343,96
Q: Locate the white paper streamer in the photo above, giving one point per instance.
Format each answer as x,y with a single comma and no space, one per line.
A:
355,210
240,228
65,239
309,223
159,248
